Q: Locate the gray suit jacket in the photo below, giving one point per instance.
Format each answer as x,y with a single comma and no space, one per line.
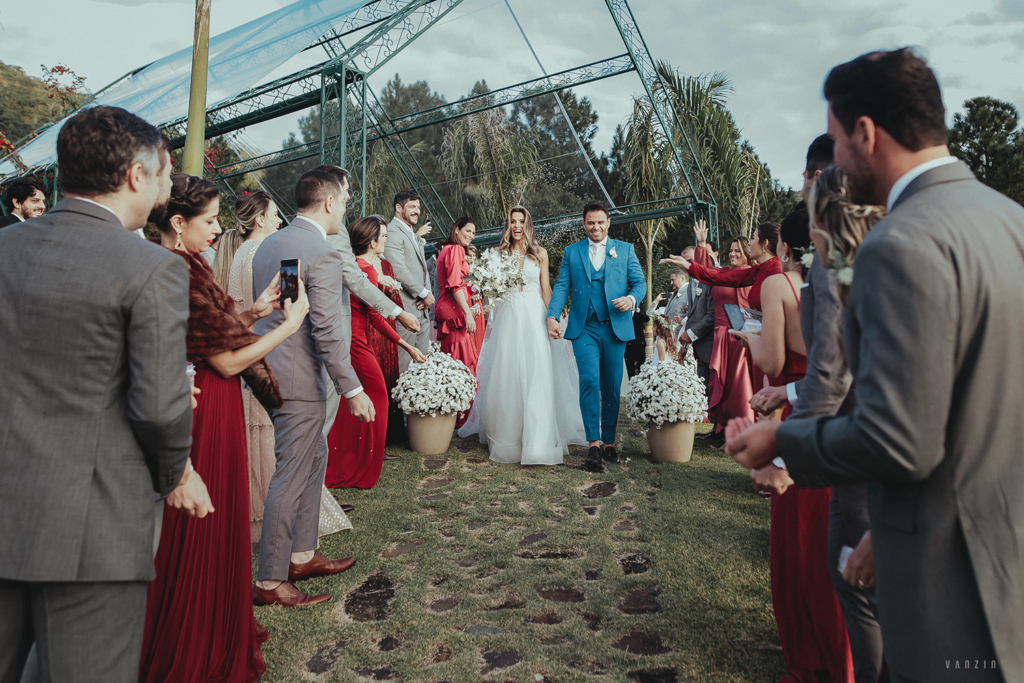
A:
701,321
405,254
96,416
933,335
322,341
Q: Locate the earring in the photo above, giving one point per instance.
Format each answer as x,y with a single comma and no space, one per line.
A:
178,246
784,259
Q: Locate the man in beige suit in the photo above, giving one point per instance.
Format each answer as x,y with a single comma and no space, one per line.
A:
932,335
405,253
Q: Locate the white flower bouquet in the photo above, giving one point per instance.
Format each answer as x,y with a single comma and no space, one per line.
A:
440,386
494,274
667,392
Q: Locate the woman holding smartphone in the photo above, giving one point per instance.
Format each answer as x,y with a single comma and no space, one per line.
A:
199,618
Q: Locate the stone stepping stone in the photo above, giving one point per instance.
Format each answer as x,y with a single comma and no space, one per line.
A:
561,594
435,463
601,489
592,575
487,574
553,641
624,525
555,499
447,533
465,449
438,580
443,653
593,621
591,510
436,496
628,507
634,563
662,674
444,604
642,644
592,668
384,673
525,506
467,562
436,482
371,601
325,657
638,601
510,602
548,618
401,548
388,644
533,538
499,659
478,525
565,554
473,461
484,630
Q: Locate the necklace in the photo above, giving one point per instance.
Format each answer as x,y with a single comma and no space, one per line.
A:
520,256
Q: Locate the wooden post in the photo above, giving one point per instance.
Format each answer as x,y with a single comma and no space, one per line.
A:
195,137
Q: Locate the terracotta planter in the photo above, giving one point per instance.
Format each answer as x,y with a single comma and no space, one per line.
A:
431,435
672,442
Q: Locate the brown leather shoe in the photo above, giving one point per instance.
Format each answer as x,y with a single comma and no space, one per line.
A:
318,566
285,595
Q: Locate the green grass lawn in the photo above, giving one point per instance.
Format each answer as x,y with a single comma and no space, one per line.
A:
505,573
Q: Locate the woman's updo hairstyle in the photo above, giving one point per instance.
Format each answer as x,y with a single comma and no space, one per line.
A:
770,232
795,231
248,207
364,231
190,197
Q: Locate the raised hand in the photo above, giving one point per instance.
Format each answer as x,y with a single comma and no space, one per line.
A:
700,230
677,261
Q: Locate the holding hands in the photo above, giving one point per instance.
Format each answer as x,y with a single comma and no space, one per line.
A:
769,399
554,329
751,445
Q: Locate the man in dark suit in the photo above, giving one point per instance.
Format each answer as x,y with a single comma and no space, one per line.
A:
932,338
96,417
25,199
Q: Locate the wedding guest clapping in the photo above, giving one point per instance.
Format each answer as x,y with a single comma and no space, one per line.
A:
456,321
356,447
96,412
200,603
931,336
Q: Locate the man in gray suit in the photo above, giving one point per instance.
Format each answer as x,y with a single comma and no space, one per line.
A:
292,514
932,337
700,327
405,253
96,418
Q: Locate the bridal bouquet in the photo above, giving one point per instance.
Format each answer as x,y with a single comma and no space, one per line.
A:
668,392
440,386
494,274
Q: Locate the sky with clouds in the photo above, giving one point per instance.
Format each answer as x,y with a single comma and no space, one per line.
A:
775,53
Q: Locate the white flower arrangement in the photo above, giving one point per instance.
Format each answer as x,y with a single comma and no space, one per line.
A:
440,386
494,275
667,392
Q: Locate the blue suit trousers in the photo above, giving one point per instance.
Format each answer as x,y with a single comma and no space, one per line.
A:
599,359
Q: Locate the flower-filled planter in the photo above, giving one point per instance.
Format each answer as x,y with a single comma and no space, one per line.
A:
670,398
432,394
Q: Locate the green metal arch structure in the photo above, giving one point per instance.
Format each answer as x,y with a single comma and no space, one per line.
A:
366,41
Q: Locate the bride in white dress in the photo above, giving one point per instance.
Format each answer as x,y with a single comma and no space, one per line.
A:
527,407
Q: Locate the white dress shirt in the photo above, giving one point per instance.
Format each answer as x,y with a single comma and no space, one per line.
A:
598,252
426,291
95,203
900,185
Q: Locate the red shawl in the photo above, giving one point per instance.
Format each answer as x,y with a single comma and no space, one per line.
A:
214,327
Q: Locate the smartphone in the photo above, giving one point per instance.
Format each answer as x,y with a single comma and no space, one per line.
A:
735,315
290,279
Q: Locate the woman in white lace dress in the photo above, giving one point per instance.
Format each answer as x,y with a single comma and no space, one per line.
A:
527,408
256,217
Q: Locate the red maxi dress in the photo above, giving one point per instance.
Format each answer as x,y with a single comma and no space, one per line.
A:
356,448
702,269
807,612
387,356
452,269
200,626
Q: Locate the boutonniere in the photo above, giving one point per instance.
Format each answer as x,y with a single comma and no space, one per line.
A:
612,253
696,290
422,241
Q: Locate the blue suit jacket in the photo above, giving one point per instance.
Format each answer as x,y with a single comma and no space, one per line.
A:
623,276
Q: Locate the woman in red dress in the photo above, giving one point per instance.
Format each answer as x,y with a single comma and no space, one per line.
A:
383,348
807,612
456,324
356,448
478,305
199,620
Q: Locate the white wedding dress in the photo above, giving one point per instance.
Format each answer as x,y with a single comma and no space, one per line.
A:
527,407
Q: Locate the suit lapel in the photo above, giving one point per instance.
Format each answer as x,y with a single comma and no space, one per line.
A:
583,251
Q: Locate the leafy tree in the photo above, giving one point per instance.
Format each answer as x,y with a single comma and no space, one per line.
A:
987,139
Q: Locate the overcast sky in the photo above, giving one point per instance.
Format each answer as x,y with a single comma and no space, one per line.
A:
776,53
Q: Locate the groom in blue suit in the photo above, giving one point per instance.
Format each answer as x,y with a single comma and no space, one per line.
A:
606,281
